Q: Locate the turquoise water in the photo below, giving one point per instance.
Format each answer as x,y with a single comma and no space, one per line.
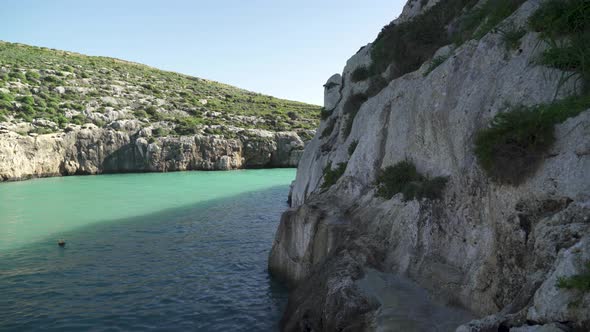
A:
176,251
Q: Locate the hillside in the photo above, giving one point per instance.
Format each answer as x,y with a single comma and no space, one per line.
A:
63,113
65,87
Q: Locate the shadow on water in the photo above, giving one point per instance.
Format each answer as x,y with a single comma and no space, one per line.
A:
199,267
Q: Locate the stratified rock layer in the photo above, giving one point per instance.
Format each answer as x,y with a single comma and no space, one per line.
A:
123,147
496,250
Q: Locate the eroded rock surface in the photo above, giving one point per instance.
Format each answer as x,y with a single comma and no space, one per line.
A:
126,147
495,250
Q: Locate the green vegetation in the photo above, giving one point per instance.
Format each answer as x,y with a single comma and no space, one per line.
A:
331,176
511,36
329,129
518,140
579,282
160,132
437,61
404,178
352,147
565,26
409,44
324,113
351,108
480,20
360,74
58,85
561,17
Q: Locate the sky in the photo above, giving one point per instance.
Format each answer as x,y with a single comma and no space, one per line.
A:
286,49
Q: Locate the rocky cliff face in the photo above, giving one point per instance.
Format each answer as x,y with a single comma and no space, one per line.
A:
497,250
124,146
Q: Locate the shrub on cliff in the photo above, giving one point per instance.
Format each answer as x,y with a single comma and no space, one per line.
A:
480,20
565,26
437,61
404,178
352,147
516,141
579,282
511,36
324,113
351,108
329,129
360,74
408,45
331,176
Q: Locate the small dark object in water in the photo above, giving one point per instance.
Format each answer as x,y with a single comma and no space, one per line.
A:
61,243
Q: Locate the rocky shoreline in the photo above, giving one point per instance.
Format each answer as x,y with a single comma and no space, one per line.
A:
124,146
497,250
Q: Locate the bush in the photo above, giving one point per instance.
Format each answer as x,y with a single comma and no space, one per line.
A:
481,20
437,61
6,104
42,131
53,79
27,109
160,132
512,36
577,282
18,75
153,113
187,126
376,84
140,114
27,100
6,97
331,176
561,17
572,55
324,113
352,147
516,141
351,108
33,76
360,74
79,119
408,45
571,19
329,129
404,178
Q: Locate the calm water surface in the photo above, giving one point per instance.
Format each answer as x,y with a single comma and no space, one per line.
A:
177,251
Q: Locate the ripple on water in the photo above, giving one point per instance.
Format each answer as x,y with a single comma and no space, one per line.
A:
200,267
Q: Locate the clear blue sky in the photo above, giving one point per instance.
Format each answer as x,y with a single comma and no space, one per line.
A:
283,48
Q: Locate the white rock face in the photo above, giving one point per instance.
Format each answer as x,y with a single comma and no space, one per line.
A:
332,93
494,249
124,146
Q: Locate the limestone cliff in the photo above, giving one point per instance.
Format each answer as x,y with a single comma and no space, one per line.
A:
495,249
124,146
